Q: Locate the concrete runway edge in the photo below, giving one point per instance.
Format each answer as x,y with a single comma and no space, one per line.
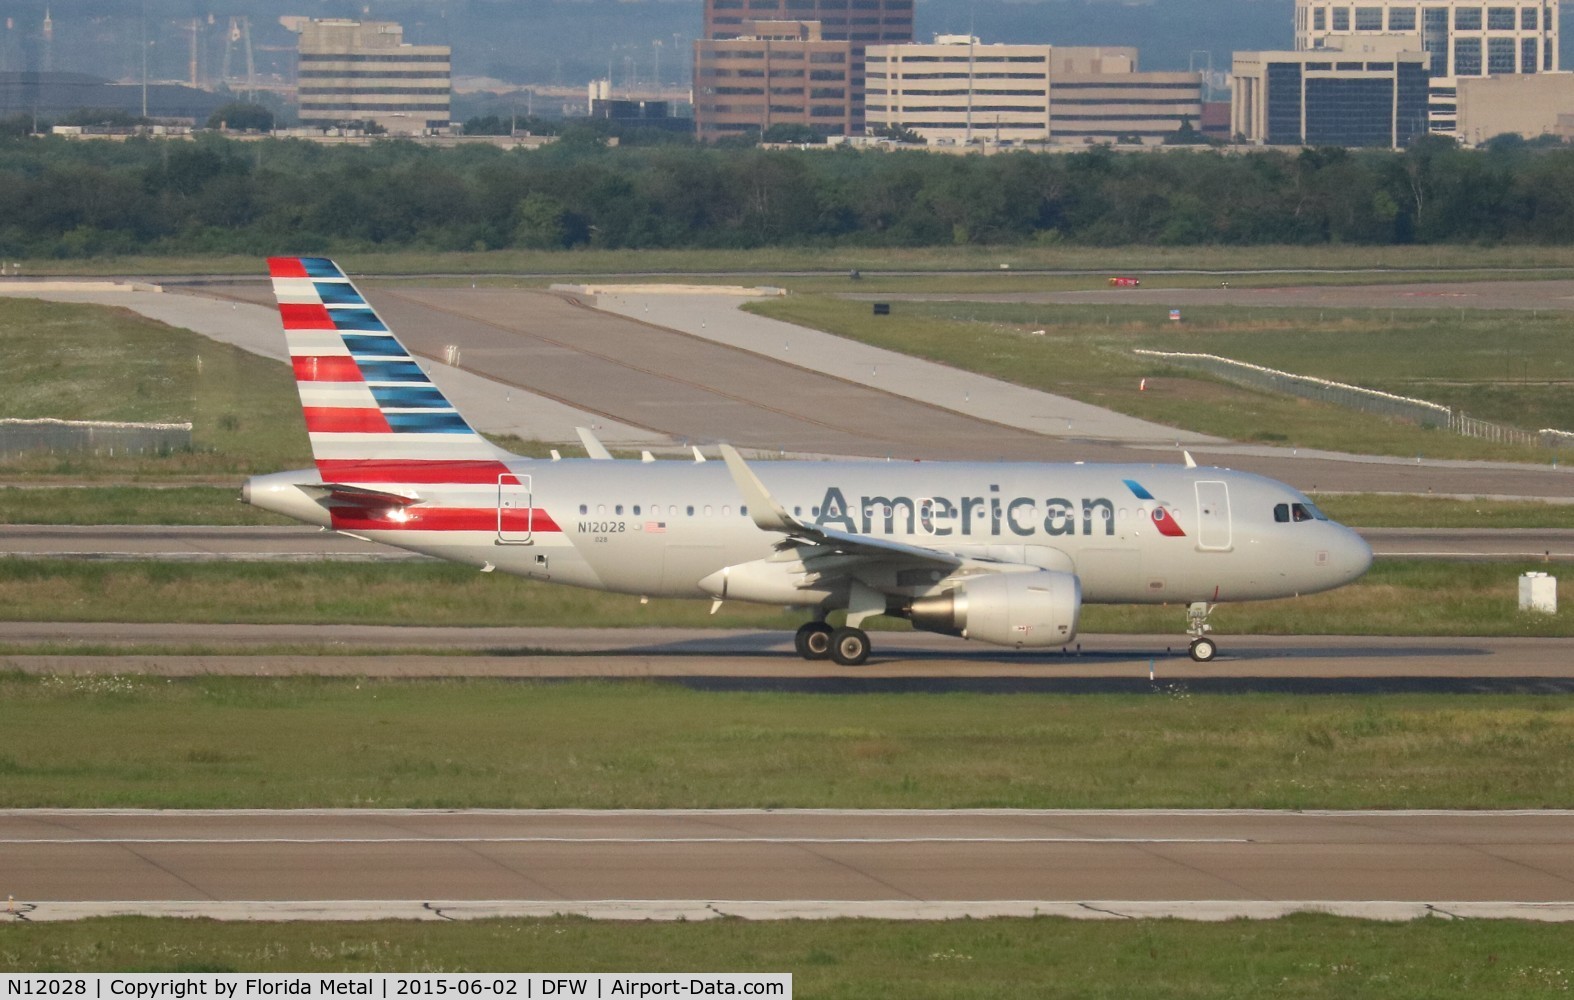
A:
712,909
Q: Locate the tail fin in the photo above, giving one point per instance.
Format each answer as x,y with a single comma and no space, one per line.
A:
372,413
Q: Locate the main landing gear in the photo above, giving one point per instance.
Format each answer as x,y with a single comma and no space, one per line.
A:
847,647
1203,648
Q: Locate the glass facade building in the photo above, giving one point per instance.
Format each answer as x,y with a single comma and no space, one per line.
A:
1462,38
1331,98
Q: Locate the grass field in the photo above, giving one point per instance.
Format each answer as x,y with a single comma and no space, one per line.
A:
1298,958
83,362
1397,597
1086,354
102,741
787,259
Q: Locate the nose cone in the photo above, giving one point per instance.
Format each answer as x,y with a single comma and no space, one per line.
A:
1350,556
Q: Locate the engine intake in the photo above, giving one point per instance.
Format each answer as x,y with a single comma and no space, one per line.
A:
1008,609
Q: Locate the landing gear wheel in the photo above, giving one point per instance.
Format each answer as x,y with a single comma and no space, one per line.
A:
813,641
1203,650
849,647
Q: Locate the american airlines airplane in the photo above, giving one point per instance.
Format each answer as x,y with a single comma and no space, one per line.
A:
1001,553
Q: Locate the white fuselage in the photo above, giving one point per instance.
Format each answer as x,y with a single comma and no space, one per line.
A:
669,528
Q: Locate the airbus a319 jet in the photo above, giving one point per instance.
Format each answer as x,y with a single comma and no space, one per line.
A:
1004,553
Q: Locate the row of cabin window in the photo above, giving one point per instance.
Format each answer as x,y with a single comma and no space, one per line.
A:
655,510
1283,513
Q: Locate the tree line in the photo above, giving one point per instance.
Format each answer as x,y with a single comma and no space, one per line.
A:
62,199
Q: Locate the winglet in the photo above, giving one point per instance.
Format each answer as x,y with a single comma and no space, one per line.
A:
697,456
763,508
1191,463
593,446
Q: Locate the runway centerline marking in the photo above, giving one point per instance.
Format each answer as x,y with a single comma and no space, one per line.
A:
621,840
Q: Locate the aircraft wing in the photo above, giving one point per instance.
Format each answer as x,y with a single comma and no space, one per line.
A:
769,515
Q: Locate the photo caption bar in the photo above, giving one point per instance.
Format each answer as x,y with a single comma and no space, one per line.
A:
392,986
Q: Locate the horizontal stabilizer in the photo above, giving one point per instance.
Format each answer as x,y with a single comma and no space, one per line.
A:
342,495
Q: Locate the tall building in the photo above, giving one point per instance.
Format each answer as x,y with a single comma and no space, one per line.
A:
957,91
855,24
1370,93
779,72
364,71
1462,38
863,22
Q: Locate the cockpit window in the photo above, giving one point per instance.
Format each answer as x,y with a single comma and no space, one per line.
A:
1284,513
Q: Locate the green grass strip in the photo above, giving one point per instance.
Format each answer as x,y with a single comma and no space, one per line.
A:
100,741
1397,597
1085,353
1303,957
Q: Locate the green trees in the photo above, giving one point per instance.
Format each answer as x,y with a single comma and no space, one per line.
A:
239,116
60,198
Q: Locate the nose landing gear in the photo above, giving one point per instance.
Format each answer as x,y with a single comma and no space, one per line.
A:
1203,648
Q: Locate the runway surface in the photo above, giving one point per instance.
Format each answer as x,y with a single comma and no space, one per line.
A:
734,659
288,543
878,862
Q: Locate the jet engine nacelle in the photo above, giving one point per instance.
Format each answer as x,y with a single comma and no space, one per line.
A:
1008,609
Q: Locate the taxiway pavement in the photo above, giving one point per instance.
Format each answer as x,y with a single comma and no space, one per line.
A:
831,862
740,659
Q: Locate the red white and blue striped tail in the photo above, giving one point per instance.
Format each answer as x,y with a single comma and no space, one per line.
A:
371,411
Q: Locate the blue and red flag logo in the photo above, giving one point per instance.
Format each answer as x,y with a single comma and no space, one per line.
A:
1163,519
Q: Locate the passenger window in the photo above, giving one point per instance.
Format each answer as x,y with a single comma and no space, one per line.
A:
744,511
1281,513
707,510
636,510
584,508
727,510
601,508
691,510
618,510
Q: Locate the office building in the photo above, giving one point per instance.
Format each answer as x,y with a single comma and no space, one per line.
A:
356,71
1372,93
779,72
864,22
957,91
1523,105
855,24
1462,38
